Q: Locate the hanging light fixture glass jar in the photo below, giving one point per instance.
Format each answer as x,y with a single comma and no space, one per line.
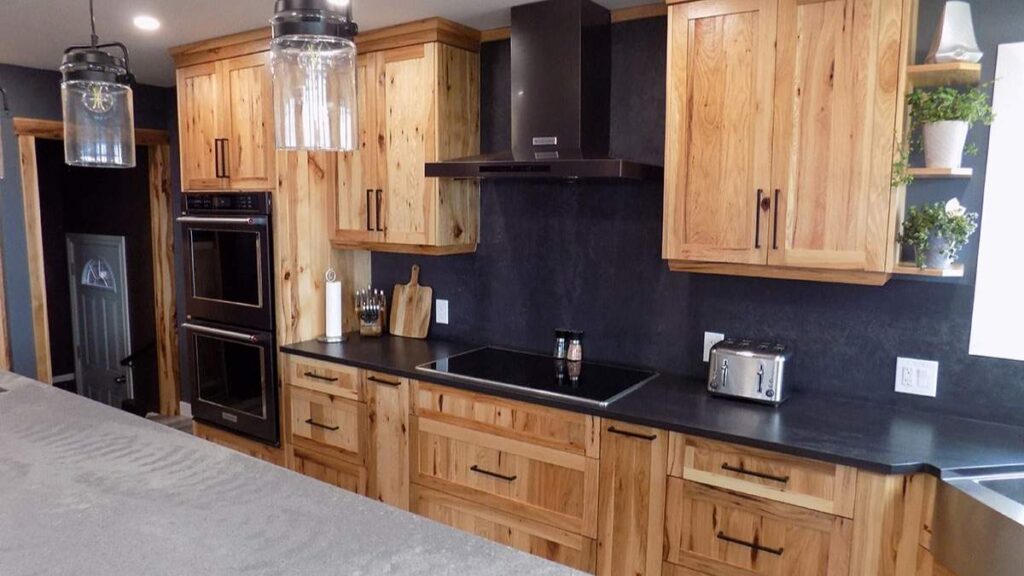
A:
313,60
96,91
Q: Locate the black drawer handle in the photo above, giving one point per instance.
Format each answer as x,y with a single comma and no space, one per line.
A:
312,422
751,545
387,382
739,470
319,377
480,470
615,430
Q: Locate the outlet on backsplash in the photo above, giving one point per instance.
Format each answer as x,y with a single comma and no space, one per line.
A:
441,311
710,339
918,377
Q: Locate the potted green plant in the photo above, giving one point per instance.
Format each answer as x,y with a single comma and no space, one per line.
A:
937,232
945,115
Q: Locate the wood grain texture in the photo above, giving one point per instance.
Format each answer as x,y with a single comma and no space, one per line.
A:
887,530
200,123
944,74
927,566
164,303
631,512
336,472
54,130
410,307
220,48
551,486
559,429
759,271
333,423
518,532
247,108
422,250
821,486
721,61
244,445
458,136
387,403
324,377
700,520
36,267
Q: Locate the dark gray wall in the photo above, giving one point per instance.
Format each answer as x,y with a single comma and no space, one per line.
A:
35,93
588,256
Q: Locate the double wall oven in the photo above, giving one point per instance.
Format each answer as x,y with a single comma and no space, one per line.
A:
229,312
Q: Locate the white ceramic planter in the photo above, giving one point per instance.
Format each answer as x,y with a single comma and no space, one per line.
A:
944,143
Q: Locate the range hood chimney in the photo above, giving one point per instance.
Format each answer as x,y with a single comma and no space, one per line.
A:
561,92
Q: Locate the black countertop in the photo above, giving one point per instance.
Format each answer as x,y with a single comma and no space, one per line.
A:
865,435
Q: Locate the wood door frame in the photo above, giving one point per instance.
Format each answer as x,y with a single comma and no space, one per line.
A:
29,130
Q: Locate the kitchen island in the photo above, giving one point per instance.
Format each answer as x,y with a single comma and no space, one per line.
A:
87,489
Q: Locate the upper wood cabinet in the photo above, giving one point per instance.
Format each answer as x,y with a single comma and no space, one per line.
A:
417,104
781,125
226,124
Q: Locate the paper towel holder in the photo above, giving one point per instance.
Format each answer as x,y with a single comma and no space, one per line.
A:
331,277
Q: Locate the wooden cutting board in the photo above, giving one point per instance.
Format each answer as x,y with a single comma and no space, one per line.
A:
410,307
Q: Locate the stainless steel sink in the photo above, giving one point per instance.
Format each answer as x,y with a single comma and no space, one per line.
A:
979,522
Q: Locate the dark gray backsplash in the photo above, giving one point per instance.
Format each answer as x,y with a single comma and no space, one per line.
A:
588,256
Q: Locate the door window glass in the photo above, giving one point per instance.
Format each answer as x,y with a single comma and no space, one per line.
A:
97,274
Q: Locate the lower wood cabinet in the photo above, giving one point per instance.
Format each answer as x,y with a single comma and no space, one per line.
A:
351,477
239,444
387,410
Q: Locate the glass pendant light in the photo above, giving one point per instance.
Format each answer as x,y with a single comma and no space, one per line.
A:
99,121
313,60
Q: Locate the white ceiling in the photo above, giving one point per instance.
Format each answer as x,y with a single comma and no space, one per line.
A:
35,32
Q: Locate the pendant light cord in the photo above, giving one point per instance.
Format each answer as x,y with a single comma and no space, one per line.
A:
92,20
5,110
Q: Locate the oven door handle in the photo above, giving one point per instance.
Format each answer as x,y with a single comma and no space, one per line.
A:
254,221
253,338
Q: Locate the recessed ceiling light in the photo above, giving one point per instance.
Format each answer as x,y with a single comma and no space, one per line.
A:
147,23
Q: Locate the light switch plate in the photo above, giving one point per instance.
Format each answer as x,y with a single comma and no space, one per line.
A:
442,311
918,377
710,339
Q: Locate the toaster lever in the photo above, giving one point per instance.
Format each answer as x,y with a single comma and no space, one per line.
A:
760,378
724,371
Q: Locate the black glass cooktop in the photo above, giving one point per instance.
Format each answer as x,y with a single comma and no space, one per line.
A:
583,382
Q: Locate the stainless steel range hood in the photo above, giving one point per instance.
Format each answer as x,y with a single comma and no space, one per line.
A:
561,91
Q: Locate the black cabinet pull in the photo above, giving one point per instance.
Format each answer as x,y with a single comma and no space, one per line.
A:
312,422
757,223
775,226
751,545
480,470
740,470
615,430
380,200
387,382
369,201
319,377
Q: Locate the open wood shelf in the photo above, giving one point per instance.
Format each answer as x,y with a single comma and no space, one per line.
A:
910,269
937,173
946,74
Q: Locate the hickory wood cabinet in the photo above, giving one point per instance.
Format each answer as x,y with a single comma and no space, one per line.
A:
417,104
780,137
226,124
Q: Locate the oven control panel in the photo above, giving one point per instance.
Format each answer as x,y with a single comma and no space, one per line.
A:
232,203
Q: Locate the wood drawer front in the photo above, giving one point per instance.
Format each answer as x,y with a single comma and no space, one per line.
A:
333,379
522,534
339,473
542,483
569,431
329,421
829,488
714,531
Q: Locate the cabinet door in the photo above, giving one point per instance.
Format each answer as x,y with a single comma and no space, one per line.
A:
356,218
407,107
631,513
835,111
387,404
721,60
248,108
199,117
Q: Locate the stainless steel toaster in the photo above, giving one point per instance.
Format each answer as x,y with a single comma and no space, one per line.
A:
749,370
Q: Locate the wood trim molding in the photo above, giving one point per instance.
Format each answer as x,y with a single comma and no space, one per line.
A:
398,36
54,130
34,243
641,12
782,273
162,238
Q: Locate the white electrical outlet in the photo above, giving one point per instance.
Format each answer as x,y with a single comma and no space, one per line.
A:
710,339
918,377
442,311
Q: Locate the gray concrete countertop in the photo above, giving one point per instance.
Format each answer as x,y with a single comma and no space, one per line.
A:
86,489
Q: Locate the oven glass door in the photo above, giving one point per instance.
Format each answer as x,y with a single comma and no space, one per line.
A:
233,379
227,269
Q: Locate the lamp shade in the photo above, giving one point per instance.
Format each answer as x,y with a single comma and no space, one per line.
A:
99,120
313,61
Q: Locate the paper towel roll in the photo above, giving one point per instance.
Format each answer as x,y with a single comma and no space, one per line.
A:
333,306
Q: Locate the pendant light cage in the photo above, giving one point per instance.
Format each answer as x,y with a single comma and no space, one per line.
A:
97,98
313,61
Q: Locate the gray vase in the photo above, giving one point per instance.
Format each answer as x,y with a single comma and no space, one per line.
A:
935,256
